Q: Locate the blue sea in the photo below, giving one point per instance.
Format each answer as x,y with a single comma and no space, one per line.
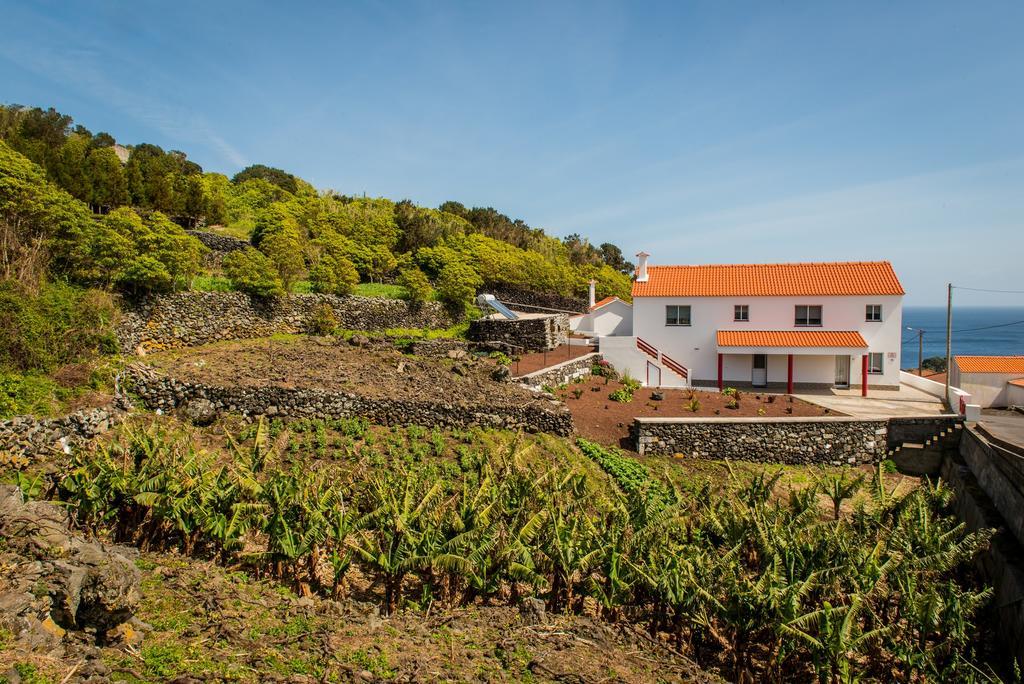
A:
1007,339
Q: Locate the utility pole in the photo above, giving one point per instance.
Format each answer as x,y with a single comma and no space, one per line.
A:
949,335
920,352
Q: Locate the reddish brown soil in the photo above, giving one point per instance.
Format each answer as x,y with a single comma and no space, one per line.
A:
599,418
528,363
335,365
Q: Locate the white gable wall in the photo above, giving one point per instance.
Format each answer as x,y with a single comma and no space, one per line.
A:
614,318
695,346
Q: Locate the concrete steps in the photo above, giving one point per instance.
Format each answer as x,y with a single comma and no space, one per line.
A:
925,458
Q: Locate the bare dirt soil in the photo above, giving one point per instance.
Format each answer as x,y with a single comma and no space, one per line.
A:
605,421
336,365
529,363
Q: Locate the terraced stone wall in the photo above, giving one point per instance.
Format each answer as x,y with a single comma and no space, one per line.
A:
187,319
159,391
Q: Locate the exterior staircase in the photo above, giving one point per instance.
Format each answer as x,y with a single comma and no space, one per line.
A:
663,360
922,458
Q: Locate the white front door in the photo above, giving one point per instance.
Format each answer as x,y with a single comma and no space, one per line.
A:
759,373
653,375
842,371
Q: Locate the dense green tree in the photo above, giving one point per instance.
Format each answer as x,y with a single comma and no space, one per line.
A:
71,169
334,275
284,249
457,286
281,179
252,272
109,188
416,285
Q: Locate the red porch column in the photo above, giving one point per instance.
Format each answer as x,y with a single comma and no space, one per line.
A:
720,384
864,375
789,375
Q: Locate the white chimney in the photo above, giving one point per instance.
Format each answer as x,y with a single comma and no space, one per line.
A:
641,267
593,293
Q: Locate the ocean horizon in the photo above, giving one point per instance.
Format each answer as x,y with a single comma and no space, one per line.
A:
974,331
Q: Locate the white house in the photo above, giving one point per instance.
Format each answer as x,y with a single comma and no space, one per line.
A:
990,380
610,316
784,326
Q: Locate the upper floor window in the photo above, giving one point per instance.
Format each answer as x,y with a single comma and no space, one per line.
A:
808,315
873,312
875,360
677,314
741,312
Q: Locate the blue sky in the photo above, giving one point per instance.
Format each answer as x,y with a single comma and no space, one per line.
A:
701,132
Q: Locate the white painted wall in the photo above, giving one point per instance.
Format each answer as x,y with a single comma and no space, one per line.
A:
622,353
987,389
1014,395
614,318
695,346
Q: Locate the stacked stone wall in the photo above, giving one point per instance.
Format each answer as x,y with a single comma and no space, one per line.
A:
528,334
188,319
160,392
26,436
798,441
560,374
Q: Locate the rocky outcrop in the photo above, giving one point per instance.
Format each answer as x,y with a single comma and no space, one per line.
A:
187,319
536,414
58,586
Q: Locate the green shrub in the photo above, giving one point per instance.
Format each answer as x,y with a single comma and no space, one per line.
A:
621,395
57,325
252,272
323,321
334,275
694,404
457,285
417,287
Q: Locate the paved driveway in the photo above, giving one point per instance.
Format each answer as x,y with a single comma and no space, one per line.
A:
1006,425
906,401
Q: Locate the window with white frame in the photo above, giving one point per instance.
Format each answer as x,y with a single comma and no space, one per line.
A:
875,360
677,314
873,312
808,315
741,312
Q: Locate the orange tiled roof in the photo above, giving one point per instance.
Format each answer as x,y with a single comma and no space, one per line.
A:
990,364
790,338
770,280
606,300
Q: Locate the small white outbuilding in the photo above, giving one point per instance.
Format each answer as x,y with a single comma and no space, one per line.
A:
609,317
992,381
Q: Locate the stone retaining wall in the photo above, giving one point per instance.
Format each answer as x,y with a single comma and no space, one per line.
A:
560,374
538,300
918,428
188,319
219,245
530,333
827,441
158,391
26,436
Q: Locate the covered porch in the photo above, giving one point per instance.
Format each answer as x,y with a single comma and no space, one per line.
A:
791,359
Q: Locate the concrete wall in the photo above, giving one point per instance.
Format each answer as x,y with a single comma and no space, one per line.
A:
623,355
987,389
695,346
833,441
1014,395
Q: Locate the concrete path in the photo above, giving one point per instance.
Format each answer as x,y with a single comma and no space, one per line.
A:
1006,425
906,401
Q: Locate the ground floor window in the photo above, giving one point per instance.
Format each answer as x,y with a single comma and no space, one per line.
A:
875,363
677,314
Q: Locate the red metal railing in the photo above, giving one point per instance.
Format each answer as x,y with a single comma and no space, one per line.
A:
670,363
646,348
675,367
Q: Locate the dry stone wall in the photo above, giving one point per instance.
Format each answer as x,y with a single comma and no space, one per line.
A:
26,436
160,392
560,374
188,319
798,441
538,301
529,333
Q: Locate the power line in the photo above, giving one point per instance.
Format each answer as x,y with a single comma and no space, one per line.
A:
980,289
984,327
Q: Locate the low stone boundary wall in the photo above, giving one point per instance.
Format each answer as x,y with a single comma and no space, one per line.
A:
560,374
158,391
217,242
188,319
28,435
827,441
